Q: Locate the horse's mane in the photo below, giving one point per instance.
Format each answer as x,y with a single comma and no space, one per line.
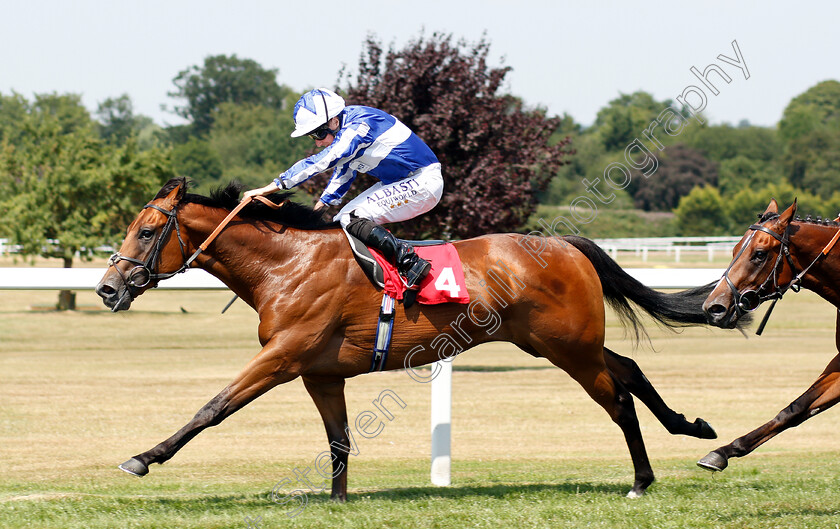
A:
226,197
820,221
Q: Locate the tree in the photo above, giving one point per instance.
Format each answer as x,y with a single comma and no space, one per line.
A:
494,151
116,117
741,172
747,204
198,160
810,128
253,142
681,169
625,117
701,212
224,79
817,106
724,142
66,191
13,110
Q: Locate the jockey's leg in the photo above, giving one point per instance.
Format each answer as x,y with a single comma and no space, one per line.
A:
397,252
417,193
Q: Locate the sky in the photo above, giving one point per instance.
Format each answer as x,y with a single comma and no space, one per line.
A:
567,57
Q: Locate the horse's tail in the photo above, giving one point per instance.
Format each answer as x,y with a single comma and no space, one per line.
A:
679,309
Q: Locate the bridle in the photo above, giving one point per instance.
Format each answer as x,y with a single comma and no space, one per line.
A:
144,272
749,300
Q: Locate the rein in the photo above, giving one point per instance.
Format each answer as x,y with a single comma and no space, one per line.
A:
142,273
749,300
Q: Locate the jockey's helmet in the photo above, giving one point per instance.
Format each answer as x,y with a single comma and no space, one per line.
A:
314,109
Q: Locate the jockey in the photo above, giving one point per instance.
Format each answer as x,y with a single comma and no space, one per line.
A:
367,140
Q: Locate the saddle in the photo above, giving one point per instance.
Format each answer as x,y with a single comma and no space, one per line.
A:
370,265
444,284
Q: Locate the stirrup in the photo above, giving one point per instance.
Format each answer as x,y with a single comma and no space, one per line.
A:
418,270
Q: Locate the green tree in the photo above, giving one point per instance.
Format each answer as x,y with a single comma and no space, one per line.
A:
742,172
116,118
65,190
701,212
724,142
812,160
810,128
13,110
253,142
197,160
745,206
625,117
817,106
224,79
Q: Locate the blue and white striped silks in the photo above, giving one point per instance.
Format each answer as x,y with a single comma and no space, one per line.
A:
370,141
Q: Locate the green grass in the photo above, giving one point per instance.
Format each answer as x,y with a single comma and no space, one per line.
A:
81,392
396,494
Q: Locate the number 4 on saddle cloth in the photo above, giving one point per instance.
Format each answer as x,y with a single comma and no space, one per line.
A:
444,284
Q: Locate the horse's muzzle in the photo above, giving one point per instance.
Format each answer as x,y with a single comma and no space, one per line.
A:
116,298
720,312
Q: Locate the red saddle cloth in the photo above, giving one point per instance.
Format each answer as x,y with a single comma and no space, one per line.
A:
444,284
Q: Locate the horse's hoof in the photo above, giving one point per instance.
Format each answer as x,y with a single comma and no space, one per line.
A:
714,462
633,494
135,467
706,430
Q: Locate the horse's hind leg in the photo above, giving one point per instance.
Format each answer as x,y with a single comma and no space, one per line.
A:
631,376
586,365
617,401
328,395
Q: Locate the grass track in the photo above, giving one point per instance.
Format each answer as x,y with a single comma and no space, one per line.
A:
81,392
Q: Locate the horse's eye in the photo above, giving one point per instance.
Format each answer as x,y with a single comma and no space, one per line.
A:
146,234
759,255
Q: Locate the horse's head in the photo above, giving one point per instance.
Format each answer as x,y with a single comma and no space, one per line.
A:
152,250
757,271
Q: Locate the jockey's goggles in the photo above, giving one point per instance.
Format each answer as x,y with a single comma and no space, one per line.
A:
320,133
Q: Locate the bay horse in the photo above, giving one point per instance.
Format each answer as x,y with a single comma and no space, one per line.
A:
777,254
317,311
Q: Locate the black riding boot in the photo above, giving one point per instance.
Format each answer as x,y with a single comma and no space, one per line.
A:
399,253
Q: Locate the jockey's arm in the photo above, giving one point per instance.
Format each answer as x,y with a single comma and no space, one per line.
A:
270,188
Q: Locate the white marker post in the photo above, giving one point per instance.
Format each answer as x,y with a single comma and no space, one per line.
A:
442,424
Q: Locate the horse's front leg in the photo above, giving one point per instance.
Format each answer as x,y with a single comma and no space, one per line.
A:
266,370
822,394
328,395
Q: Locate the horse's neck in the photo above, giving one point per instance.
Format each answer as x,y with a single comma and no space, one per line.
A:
824,277
246,251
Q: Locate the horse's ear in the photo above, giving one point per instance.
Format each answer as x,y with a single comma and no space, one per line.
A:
174,197
788,214
773,207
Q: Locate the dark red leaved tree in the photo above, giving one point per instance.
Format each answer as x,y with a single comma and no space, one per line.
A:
495,153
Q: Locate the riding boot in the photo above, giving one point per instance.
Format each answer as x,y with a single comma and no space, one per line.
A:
397,252
401,254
